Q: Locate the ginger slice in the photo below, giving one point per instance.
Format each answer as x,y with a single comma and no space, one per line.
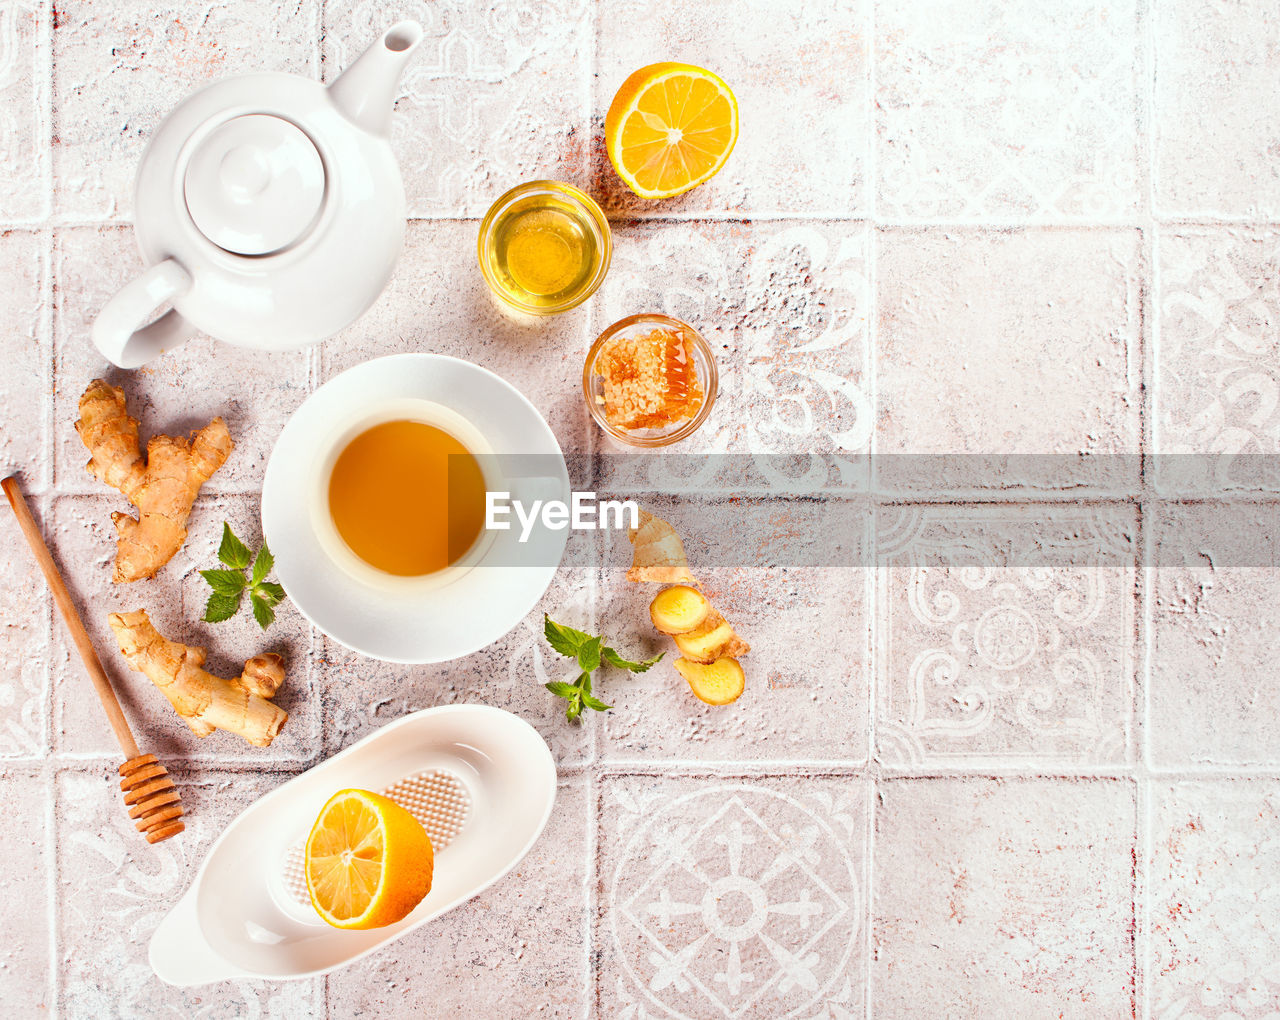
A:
163,487
679,609
206,702
716,683
658,554
711,640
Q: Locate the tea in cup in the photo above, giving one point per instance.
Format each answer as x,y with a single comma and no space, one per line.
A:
400,496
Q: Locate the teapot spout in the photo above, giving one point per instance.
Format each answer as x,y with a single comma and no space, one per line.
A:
366,91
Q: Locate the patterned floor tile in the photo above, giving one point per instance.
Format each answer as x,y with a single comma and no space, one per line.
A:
120,68
518,949
731,898
980,332
1213,626
24,111
1217,387
25,986
1005,635
793,618
115,889
1214,140
802,142
438,303
1004,899
26,383
1215,937
785,309
1021,111
83,541
254,391
493,96
24,645
361,694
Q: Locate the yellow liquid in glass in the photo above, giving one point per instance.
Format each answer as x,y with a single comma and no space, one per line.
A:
544,252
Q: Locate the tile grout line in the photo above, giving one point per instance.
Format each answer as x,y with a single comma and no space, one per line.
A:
870,588
592,807
1145,575
1008,226
52,873
48,252
1142,896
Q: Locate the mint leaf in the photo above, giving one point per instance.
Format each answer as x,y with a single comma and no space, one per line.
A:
593,702
224,582
232,551
589,655
262,565
262,611
590,651
614,659
228,585
221,607
270,593
564,640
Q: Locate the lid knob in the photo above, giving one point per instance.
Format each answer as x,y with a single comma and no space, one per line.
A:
255,184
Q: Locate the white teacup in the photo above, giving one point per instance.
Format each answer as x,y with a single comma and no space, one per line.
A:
432,617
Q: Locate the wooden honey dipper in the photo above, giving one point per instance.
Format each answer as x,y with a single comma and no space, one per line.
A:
149,793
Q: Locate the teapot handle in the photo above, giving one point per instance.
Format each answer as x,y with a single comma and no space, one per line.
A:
118,331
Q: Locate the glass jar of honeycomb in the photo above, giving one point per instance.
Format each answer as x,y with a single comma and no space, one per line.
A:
650,380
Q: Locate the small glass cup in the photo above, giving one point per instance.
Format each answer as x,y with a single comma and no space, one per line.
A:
544,247
704,364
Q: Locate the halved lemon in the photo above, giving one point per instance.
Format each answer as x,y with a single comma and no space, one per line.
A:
368,861
670,127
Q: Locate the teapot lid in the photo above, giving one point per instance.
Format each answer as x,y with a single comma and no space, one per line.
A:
255,184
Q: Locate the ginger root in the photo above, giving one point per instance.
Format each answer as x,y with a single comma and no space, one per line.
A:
712,640
716,683
678,609
162,488
206,702
658,554
708,644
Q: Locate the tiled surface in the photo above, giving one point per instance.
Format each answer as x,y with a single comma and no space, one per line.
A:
986,655
1212,619
978,332
25,82
1216,355
526,949
1017,111
361,694
494,95
26,978
114,69
254,392
990,764
805,130
1215,145
785,308
731,898
111,898
1021,892
1214,858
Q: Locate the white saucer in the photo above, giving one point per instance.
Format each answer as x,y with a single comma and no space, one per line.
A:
436,623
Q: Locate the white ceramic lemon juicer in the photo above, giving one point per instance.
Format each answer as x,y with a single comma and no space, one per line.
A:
269,208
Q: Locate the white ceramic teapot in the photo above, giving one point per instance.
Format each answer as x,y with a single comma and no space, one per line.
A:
269,208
